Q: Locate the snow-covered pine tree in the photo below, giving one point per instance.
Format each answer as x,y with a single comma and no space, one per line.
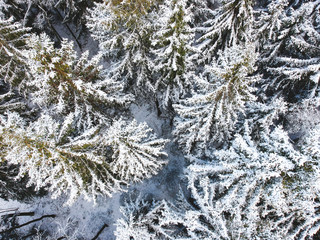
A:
12,64
64,83
12,41
123,29
257,190
230,24
144,218
291,54
172,42
260,116
201,11
62,168
209,117
270,21
135,151
97,162
133,224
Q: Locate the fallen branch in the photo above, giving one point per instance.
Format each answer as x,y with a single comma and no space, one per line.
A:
27,223
100,231
18,214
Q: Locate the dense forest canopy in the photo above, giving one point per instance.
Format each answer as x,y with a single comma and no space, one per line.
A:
214,102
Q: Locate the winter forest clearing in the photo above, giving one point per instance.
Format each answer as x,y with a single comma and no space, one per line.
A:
159,119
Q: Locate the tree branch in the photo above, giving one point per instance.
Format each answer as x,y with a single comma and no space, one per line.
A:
100,231
27,223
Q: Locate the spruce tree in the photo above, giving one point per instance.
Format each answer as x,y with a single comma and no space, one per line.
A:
208,118
67,85
146,218
12,42
123,30
230,24
172,68
290,56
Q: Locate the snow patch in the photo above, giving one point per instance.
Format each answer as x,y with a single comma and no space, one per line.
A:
144,113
